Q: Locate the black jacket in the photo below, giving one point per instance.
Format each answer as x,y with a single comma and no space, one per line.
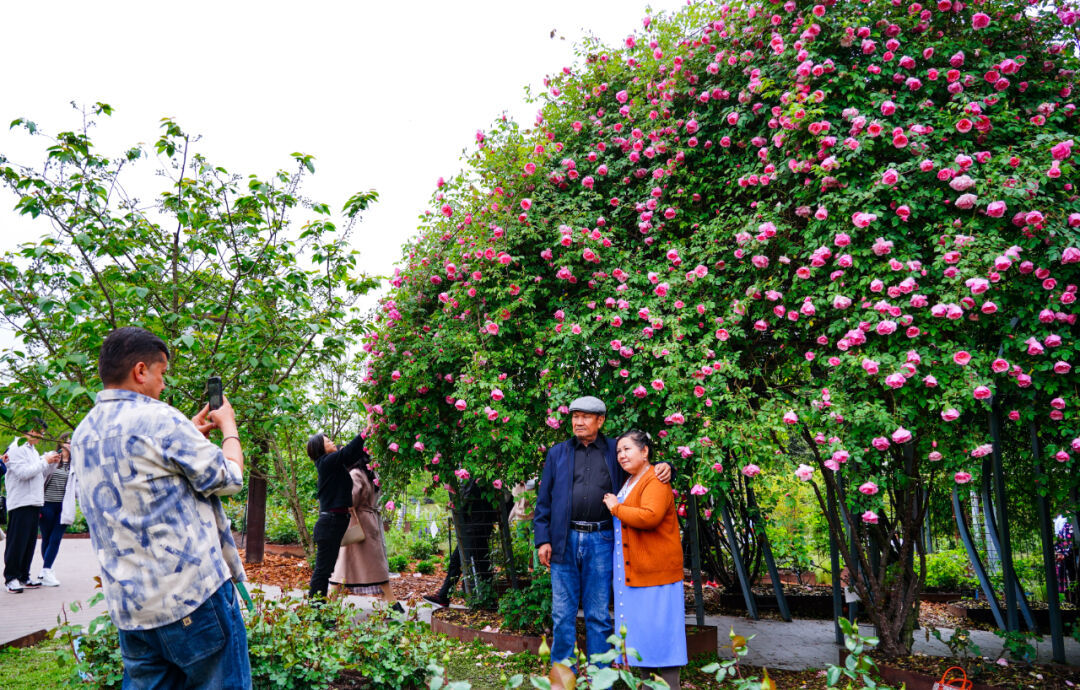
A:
335,484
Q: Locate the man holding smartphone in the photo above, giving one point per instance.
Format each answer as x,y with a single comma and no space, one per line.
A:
150,484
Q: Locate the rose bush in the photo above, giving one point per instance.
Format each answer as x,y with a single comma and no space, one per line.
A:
847,228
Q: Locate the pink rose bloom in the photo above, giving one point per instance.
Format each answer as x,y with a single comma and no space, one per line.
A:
1061,456
895,381
657,384
390,506
497,394
1062,367
461,474
640,392
870,517
880,443
962,477
996,209
698,490
790,417
962,358
934,456
890,177
840,456
901,435
393,447
1058,403
951,414
981,20
870,366
418,446
982,393
751,470
1075,445
804,472
869,488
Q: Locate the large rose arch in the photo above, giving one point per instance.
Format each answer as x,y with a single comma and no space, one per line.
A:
851,223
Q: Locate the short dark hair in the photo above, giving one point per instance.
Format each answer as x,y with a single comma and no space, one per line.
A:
124,348
640,439
316,446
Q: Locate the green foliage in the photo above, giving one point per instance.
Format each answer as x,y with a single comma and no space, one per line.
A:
1019,645
425,567
529,609
483,595
42,666
294,644
92,651
858,666
398,564
728,670
423,546
949,571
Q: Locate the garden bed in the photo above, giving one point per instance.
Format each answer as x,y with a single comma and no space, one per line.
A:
487,626
920,672
979,612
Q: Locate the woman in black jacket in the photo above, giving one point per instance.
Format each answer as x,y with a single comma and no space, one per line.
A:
335,496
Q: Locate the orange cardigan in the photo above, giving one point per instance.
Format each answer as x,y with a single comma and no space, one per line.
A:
652,549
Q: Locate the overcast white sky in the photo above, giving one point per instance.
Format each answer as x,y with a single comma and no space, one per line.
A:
385,95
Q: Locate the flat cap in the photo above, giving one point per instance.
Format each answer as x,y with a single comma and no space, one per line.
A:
589,404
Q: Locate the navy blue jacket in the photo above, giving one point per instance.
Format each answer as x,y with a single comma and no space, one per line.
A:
551,524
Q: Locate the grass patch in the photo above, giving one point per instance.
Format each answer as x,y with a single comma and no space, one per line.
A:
33,668
486,668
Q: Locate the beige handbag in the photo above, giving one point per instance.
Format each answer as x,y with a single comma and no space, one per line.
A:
355,533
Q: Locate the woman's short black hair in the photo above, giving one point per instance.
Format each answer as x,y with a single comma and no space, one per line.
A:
640,439
124,348
316,446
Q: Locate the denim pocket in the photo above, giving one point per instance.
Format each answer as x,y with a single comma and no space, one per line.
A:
198,635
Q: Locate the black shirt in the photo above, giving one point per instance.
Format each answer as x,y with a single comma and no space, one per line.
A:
591,481
335,484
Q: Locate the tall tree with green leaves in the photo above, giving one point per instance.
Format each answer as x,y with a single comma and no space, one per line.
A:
241,275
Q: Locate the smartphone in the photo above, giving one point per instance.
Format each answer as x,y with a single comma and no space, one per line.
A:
214,392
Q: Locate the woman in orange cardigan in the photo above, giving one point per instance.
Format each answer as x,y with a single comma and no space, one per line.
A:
648,568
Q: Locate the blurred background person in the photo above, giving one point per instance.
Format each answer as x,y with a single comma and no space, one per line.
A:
58,512
362,567
25,496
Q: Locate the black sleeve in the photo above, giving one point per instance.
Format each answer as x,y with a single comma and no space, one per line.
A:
353,454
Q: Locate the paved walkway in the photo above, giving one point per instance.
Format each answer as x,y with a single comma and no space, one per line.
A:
798,645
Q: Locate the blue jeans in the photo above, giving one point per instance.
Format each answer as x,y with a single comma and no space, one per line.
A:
51,532
206,649
584,577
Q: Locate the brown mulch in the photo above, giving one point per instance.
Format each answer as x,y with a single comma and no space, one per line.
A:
1011,675
293,572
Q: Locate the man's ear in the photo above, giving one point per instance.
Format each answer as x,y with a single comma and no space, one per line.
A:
601,421
139,372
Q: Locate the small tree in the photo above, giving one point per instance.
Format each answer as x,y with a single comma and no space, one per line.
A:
219,265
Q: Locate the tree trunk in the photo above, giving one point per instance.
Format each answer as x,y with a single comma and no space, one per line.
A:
255,544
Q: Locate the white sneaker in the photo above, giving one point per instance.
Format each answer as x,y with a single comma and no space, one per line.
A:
15,587
48,579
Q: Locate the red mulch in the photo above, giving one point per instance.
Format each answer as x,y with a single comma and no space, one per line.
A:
293,572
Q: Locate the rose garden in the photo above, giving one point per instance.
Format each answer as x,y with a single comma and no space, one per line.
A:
827,255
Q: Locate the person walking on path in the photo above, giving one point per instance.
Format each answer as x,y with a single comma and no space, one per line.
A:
59,510
335,492
573,530
648,563
25,495
362,567
150,485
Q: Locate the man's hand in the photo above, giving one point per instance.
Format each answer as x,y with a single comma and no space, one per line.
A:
544,553
663,472
52,457
223,418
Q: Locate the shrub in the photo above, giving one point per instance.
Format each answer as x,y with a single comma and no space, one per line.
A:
949,571
398,564
93,650
423,546
529,609
425,567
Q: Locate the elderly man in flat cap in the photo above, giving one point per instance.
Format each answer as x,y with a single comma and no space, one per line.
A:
574,530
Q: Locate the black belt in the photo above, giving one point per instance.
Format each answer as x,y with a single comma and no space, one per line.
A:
334,513
579,526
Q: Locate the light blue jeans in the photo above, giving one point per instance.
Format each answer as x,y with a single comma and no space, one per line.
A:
583,578
207,649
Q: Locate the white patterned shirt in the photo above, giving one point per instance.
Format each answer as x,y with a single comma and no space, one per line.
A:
149,484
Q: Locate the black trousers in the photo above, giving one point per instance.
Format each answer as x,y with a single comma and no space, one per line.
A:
19,545
329,529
